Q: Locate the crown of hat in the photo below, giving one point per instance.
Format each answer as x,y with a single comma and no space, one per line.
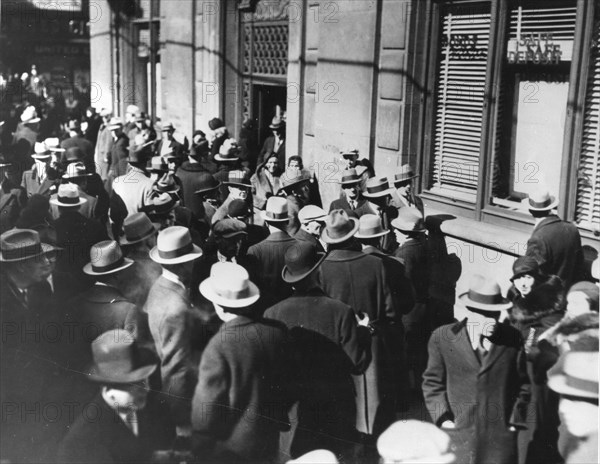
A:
115,122
293,176
338,224
350,152
215,123
230,147
311,213
40,148
157,162
106,254
228,227
411,441
484,286
173,238
132,109
239,177
52,142
166,183
75,170
74,124
20,243
162,203
238,208
230,280
137,226
525,265
276,121
408,219
28,114
207,182
377,183
168,126
301,257
277,206
404,173
68,191
369,224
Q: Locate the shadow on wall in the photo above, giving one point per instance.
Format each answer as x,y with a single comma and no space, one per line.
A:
444,271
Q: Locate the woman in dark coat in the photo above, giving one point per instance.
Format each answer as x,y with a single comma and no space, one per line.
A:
538,304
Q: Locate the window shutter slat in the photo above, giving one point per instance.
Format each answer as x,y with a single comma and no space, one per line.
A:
587,211
460,84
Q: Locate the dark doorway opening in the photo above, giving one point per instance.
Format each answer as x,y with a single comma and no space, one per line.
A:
267,102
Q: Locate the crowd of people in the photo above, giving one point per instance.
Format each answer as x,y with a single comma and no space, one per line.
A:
164,300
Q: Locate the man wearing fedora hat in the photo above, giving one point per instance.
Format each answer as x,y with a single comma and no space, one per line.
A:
379,194
76,139
13,197
352,200
312,222
403,195
175,324
242,399
37,179
194,177
236,186
554,243
361,281
168,144
129,424
474,364
274,144
139,237
102,152
76,234
239,209
270,253
296,187
575,379
119,150
77,175
26,304
332,347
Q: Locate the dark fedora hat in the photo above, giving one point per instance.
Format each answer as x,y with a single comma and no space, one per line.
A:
525,265
377,187
137,227
350,177
118,359
22,244
74,154
239,209
215,123
238,178
229,227
157,164
301,260
207,183
292,178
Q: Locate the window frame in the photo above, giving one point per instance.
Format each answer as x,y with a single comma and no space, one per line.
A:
482,209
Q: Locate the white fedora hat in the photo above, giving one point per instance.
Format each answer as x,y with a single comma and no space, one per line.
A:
68,196
229,285
276,210
106,258
369,226
541,200
484,294
174,245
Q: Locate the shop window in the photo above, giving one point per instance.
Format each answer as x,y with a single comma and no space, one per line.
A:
534,89
459,100
587,213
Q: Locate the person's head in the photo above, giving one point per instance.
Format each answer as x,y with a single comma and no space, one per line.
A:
175,251
275,214
277,127
582,297
121,367
168,130
350,158
295,162
272,165
339,228
404,188
575,378
526,274
484,299
415,442
107,262
74,128
230,290
130,113
138,233
230,235
312,220
68,199
408,225
403,180
115,126
240,210
237,192
378,191
25,259
301,263
540,203
90,112
106,115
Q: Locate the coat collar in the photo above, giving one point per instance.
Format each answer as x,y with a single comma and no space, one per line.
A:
279,236
552,219
344,255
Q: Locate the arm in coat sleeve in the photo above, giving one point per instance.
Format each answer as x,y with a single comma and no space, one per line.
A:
537,248
177,370
434,382
356,343
210,406
518,417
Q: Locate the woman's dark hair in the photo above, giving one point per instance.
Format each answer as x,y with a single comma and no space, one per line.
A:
298,159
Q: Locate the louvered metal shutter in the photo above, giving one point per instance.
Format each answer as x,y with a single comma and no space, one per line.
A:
587,213
460,84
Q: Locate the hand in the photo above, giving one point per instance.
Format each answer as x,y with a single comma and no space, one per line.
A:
364,322
448,424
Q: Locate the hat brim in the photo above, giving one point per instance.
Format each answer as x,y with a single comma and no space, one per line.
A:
383,193
237,184
123,240
96,374
115,126
225,160
327,239
292,185
317,219
57,149
379,234
351,182
290,278
41,156
422,230
87,269
210,189
56,202
207,290
32,121
66,176
46,248
263,215
195,254
558,383
399,181
464,299
350,155
551,206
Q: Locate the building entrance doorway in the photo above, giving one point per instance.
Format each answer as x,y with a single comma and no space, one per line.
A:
268,101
